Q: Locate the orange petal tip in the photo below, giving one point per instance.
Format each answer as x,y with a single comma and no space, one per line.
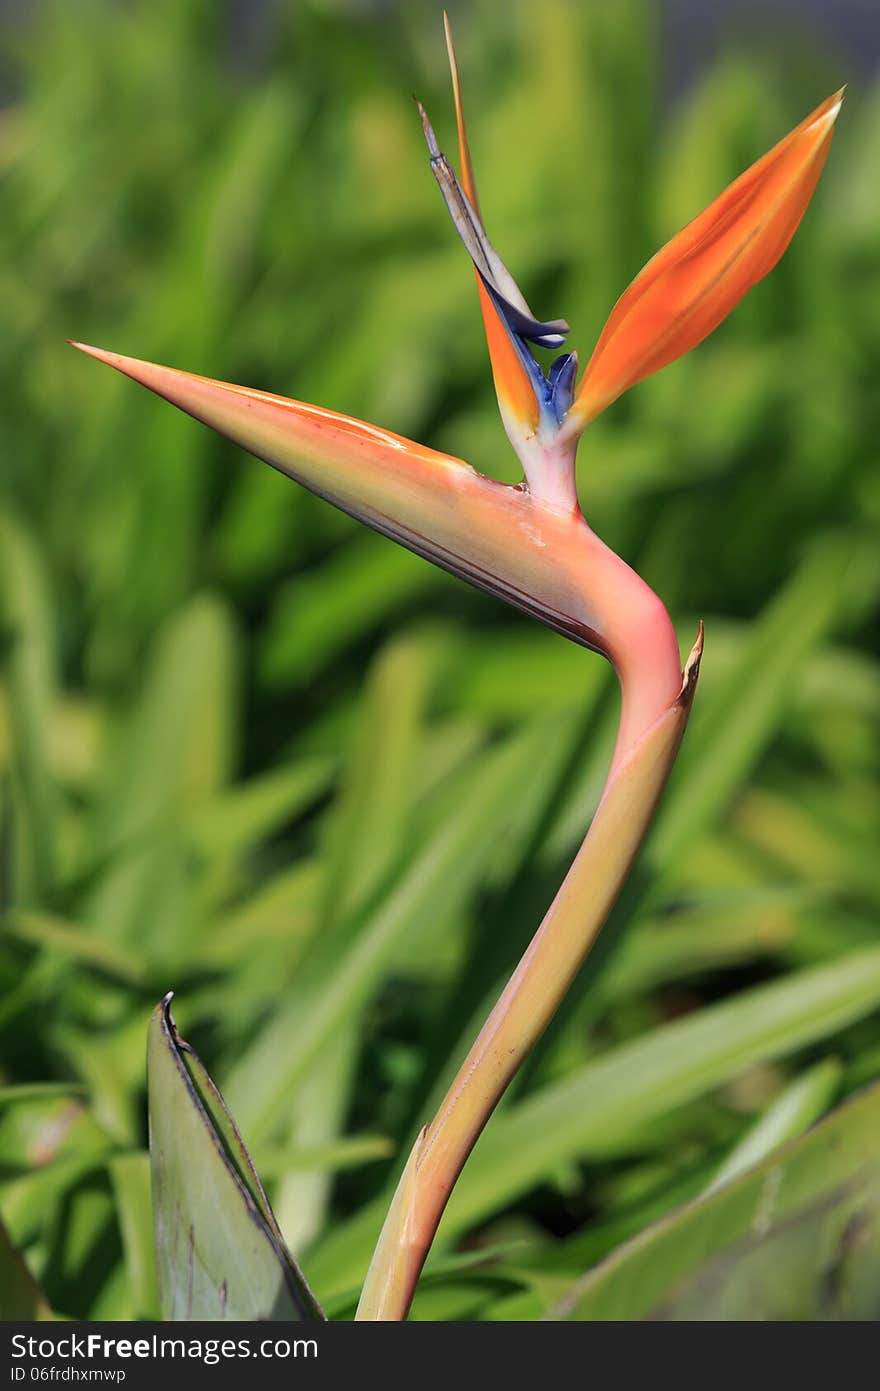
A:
694,282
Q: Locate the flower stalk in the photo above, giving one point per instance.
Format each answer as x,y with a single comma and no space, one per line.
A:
528,1003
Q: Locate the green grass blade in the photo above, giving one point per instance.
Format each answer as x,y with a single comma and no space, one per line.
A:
176,755
20,1295
370,821
443,873
796,1238
801,1103
317,616
27,662
130,1176
733,722
76,943
236,820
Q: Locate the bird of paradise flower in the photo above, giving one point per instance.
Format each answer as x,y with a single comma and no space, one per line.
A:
531,545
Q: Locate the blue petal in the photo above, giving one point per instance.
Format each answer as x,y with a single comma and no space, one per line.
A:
561,381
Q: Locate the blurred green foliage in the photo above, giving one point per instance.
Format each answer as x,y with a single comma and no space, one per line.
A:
250,752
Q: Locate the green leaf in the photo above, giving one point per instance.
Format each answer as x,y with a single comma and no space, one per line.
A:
733,723
27,665
371,817
238,819
176,755
219,1253
799,1105
130,1176
316,1112
104,1061
281,913
38,1091
796,1238
720,932
20,1295
315,616
74,942
347,1152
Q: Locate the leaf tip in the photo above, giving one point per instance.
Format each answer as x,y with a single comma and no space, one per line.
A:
165,1020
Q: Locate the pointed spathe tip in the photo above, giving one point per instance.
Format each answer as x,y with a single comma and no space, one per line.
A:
165,381
101,354
174,385
86,348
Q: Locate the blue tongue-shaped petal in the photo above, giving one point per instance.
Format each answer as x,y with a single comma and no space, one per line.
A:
505,292
560,383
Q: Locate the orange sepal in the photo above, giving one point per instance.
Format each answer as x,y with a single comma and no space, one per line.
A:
516,396
694,282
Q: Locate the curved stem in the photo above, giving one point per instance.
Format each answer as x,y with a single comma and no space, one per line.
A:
530,999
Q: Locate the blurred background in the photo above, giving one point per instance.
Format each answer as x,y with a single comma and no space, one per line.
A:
250,752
